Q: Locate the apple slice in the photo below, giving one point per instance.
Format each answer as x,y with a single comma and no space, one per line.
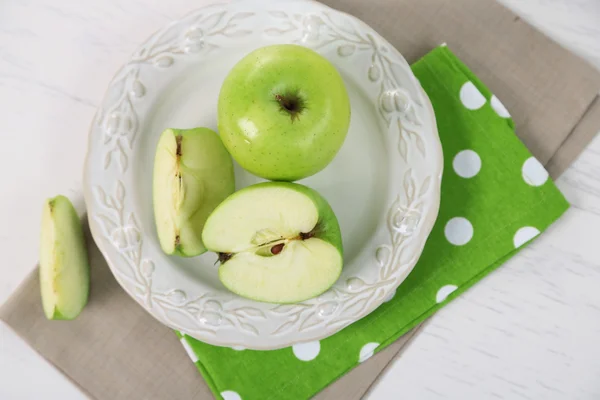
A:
193,173
64,266
277,242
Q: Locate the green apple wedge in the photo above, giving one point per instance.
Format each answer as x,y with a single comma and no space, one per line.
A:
277,242
193,173
283,112
64,265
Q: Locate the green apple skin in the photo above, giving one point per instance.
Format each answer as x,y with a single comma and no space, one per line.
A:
329,227
263,216
64,265
261,134
193,173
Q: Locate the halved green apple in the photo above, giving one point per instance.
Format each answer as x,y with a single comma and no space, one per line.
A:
277,242
64,265
193,173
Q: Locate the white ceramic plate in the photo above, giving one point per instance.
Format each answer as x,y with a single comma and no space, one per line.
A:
384,185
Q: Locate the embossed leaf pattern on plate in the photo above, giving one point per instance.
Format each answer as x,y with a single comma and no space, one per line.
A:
401,105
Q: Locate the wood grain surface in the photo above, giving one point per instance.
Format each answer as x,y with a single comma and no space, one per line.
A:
528,331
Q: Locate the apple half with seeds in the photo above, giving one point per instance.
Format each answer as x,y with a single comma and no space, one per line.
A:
277,242
64,266
193,173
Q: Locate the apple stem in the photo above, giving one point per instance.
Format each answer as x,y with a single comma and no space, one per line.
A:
224,257
178,140
308,235
290,103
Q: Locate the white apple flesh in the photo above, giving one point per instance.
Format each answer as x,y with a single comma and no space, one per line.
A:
277,242
64,265
193,173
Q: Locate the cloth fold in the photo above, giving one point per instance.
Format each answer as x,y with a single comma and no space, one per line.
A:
115,350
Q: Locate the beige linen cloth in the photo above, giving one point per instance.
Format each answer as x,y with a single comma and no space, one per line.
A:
115,350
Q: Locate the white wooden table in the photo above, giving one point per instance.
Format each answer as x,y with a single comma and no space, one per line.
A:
531,330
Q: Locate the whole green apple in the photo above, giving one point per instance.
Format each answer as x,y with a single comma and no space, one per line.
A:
283,112
278,242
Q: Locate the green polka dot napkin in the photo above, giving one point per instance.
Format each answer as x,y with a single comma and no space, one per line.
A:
496,197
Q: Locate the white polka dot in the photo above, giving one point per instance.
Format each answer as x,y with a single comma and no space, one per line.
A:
444,292
390,296
467,163
238,348
534,172
458,231
367,351
524,235
230,395
307,351
471,97
499,107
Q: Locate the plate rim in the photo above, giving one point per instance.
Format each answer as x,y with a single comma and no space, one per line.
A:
427,223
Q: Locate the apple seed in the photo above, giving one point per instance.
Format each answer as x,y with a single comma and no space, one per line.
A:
277,248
